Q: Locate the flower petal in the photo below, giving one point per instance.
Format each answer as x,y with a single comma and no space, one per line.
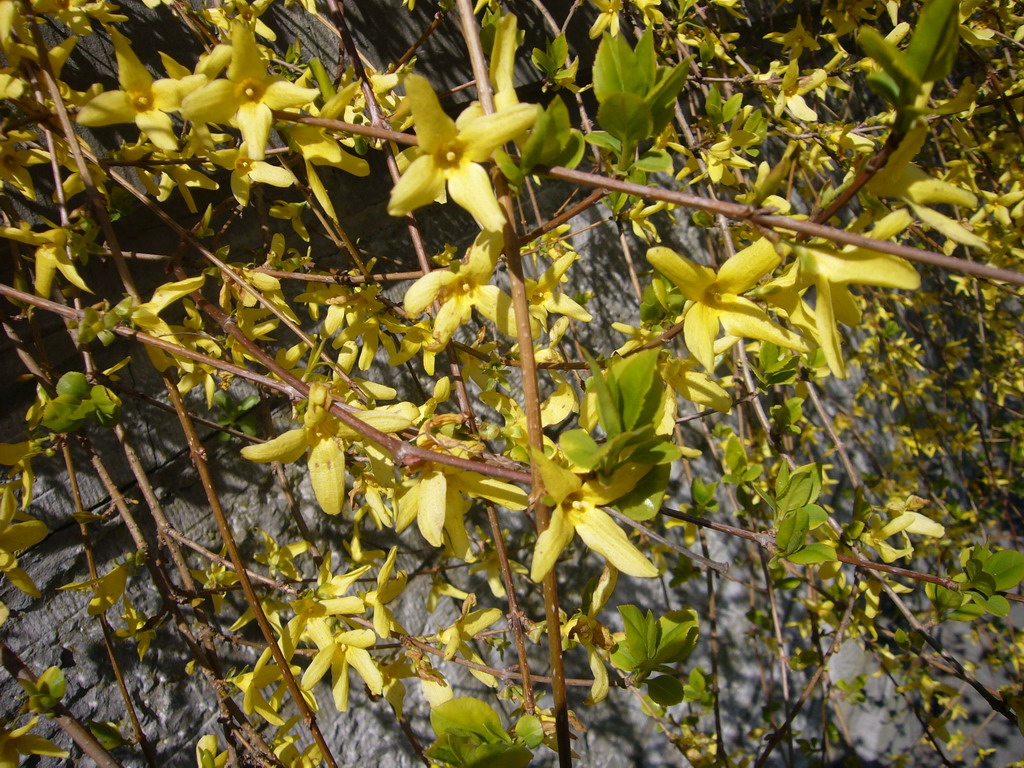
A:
327,474
741,272
131,74
865,267
433,126
282,94
107,108
470,187
363,664
691,278
158,127
265,173
432,507
425,290
286,448
559,482
742,317
828,333
550,543
485,134
253,120
700,327
420,185
215,102
601,534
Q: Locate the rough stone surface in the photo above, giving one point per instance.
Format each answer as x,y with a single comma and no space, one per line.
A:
175,707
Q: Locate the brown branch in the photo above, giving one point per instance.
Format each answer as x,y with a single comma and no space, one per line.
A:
198,455
734,211
837,637
760,216
296,390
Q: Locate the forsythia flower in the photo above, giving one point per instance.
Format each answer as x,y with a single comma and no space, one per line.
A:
451,154
248,95
607,17
324,437
716,299
576,508
141,100
831,272
245,170
463,287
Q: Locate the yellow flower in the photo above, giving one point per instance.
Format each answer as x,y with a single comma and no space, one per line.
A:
319,148
53,254
141,100
794,88
794,41
607,17
543,297
245,170
16,158
437,502
451,155
716,299
388,588
576,508
337,653
463,287
324,437
19,741
831,272
247,97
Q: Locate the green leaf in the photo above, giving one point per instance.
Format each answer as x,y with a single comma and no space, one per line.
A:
59,415
882,84
944,599
530,730
604,140
1007,569
607,413
627,117
702,493
800,489
634,383
543,61
635,624
544,134
646,61
572,152
678,632
465,714
662,98
967,612
893,62
731,107
996,605
697,685
53,681
666,690
654,161
108,734
508,167
616,70
792,531
645,500
713,105
73,384
933,48
819,552
106,406
581,448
